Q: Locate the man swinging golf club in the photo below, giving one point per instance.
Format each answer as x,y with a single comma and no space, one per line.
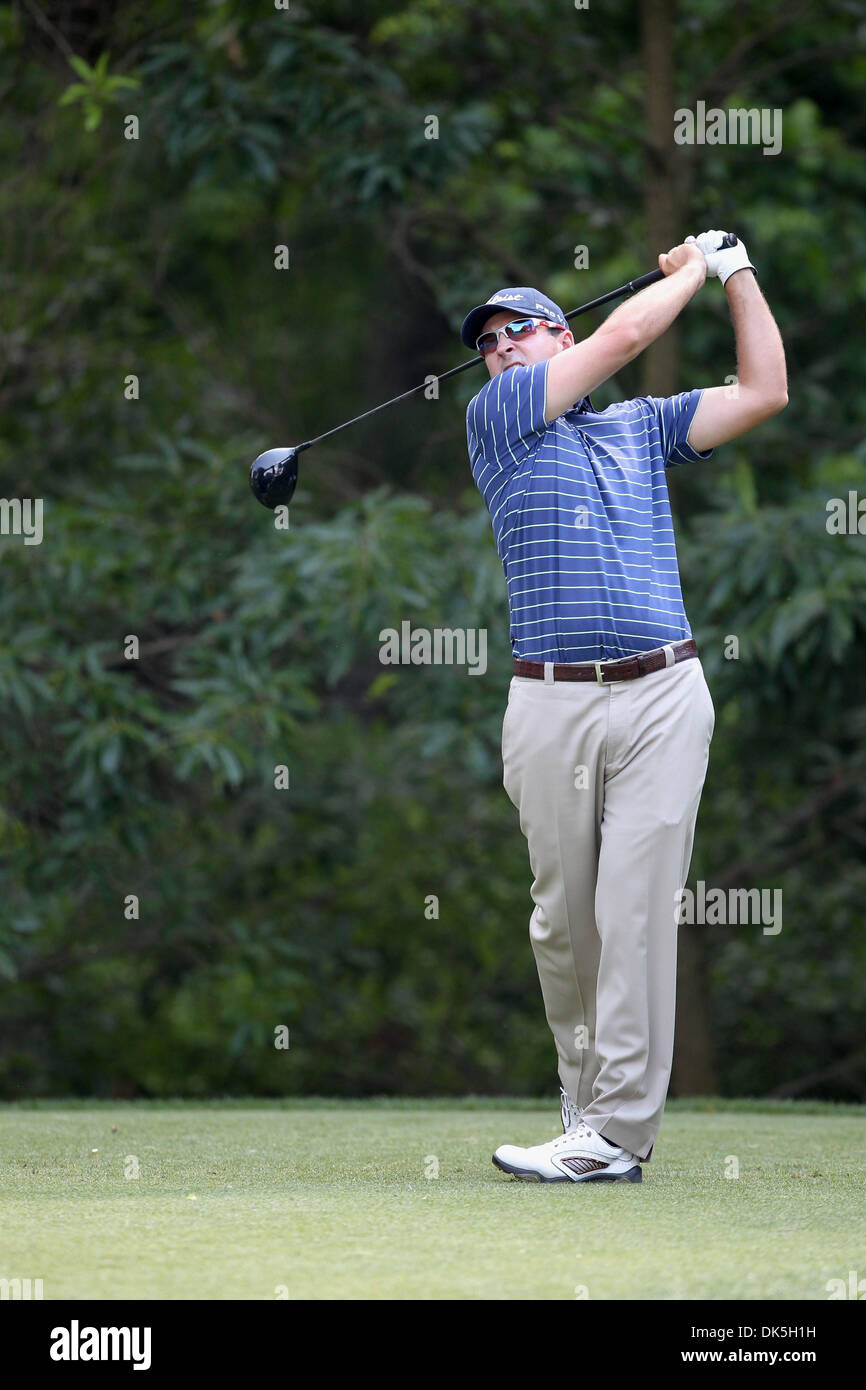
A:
605,740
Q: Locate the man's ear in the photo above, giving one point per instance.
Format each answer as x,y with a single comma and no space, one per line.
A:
565,339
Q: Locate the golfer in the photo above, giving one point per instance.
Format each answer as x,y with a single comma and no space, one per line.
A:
606,737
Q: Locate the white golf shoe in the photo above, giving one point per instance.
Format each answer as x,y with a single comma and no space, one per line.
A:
579,1155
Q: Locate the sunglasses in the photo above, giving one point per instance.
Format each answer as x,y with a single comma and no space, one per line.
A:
516,331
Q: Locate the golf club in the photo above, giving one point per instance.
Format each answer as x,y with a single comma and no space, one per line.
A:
274,474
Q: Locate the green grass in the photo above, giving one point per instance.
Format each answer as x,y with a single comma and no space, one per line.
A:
330,1200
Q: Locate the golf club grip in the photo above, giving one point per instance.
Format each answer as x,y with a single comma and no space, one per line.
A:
643,280
633,286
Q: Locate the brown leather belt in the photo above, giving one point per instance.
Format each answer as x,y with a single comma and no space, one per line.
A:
626,668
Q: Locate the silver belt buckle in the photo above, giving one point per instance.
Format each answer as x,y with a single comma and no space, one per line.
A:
598,675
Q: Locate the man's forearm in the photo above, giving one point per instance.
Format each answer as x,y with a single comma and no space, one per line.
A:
760,353
577,370
654,309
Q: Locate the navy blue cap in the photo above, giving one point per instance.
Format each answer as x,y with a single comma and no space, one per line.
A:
522,298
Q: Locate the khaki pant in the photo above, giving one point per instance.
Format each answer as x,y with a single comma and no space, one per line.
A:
607,780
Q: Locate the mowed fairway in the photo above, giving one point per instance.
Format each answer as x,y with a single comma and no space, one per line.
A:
337,1200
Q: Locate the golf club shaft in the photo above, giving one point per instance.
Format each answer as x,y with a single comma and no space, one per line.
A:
631,287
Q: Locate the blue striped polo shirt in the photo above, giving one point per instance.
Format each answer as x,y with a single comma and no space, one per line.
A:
581,516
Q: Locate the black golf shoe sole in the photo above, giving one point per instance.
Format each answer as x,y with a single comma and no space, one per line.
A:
526,1175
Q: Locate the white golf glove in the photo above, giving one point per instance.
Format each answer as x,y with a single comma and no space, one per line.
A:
722,260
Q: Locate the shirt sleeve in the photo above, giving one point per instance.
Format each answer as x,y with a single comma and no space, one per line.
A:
505,421
674,415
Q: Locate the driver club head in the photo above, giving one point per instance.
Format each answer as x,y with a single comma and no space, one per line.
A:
274,476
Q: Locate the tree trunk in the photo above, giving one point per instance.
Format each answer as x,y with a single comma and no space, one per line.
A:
693,1071
661,185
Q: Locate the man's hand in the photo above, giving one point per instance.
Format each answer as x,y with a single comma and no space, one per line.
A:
722,260
684,255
